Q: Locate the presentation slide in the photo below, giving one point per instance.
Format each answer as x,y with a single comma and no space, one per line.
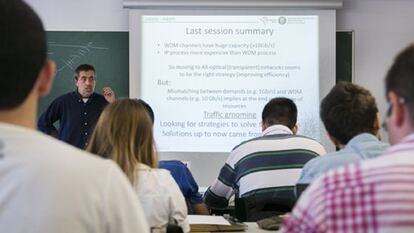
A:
208,77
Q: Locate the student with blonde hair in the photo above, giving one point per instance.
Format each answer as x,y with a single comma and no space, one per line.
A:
124,134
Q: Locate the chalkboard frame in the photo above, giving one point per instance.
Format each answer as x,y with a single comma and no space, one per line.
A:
345,56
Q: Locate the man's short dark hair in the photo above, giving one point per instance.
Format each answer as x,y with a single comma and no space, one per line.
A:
280,111
400,78
348,110
83,67
22,52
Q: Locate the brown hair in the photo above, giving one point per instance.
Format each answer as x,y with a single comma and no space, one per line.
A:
124,134
400,78
348,110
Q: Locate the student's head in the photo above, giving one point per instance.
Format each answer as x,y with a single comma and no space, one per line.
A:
400,94
281,111
149,110
25,72
85,79
347,111
124,134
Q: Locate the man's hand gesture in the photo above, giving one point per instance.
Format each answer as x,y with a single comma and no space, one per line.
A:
108,94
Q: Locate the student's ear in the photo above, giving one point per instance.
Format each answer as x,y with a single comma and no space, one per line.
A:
335,141
264,126
397,115
46,77
377,124
295,129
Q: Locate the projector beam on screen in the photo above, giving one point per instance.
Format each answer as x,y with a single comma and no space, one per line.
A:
209,76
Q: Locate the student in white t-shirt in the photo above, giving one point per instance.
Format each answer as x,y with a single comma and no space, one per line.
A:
124,134
46,185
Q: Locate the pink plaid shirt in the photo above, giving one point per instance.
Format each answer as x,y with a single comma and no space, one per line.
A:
373,196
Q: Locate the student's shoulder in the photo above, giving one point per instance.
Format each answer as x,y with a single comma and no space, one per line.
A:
306,139
158,177
171,163
163,176
161,173
326,160
70,157
309,143
256,140
56,163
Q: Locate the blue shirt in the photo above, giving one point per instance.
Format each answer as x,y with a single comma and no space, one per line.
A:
361,147
76,118
184,179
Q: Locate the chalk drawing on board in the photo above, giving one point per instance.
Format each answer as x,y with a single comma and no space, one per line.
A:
78,52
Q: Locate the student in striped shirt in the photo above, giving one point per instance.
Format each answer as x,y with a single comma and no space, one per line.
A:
375,195
266,168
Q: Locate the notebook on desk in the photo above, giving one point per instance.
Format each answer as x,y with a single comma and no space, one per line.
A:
203,223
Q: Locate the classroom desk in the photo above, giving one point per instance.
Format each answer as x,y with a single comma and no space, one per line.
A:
252,228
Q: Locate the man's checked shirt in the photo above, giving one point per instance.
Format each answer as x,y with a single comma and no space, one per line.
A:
372,196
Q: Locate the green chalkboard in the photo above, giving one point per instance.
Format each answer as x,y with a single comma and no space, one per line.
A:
108,52
344,56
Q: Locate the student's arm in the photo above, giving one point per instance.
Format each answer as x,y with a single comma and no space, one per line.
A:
49,117
308,213
195,199
217,196
200,209
178,207
123,212
310,171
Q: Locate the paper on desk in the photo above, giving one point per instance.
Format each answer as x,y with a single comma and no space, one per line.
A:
202,189
208,219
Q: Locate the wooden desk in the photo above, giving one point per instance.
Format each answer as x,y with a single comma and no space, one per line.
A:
252,228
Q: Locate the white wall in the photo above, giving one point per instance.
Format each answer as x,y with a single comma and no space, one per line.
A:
89,15
382,28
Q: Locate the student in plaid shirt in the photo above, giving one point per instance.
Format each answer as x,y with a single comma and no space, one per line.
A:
375,195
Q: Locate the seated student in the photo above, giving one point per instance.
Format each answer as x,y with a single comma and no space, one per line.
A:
351,118
48,186
124,133
182,175
185,180
266,167
374,195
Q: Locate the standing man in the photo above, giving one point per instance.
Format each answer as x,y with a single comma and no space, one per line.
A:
77,111
265,169
48,186
374,195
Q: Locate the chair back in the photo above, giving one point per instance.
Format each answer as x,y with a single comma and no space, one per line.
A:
254,208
